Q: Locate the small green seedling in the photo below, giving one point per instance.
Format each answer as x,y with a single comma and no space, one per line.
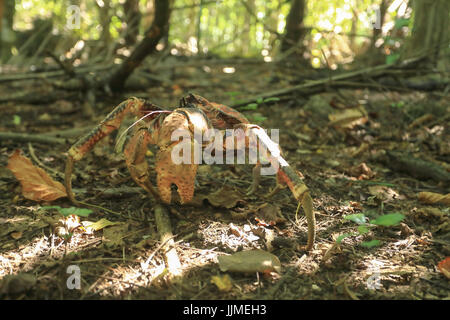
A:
17,120
81,212
387,220
259,101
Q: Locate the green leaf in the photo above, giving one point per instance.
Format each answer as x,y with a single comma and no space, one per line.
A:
250,106
358,218
16,119
392,58
343,236
257,118
259,100
387,220
363,229
401,22
82,212
233,93
370,244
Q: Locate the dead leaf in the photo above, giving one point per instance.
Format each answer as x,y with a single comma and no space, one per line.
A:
362,172
36,183
384,193
269,214
16,235
444,267
17,283
250,261
223,283
433,198
114,236
348,118
226,197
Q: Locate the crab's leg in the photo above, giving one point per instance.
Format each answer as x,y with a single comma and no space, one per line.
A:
111,122
137,163
286,175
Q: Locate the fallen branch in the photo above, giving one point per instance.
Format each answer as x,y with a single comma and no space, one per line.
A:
26,137
315,85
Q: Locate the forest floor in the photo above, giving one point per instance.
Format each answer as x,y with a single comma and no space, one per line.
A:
356,164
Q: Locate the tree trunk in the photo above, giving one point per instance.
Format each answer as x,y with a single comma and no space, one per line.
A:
157,30
294,25
430,33
7,37
133,19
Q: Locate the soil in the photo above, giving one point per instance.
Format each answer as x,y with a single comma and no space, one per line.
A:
351,165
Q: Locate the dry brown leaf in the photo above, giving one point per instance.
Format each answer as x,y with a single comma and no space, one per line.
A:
432,198
36,183
444,267
348,118
226,197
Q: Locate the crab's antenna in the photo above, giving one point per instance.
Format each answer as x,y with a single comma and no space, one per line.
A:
140,119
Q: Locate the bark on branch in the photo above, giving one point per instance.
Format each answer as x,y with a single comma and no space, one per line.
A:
147,46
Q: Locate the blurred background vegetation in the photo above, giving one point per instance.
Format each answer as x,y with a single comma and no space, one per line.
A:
330,34
333,32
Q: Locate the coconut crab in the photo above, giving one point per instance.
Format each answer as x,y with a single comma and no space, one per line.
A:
194,114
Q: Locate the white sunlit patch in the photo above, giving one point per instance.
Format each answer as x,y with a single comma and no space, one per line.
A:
193,45
264,52
337,29
317,36
174,51
315,62
79,45
229,70
267,59
26,5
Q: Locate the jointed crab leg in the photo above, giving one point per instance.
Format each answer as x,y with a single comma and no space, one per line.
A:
111,122
285,176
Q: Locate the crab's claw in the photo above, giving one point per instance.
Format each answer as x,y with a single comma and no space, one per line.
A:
178,156
181,175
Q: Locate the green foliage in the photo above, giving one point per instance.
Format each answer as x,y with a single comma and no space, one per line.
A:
17,120
387,220
82,212
227,27
370,244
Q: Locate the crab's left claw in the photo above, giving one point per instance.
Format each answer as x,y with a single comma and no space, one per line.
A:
181,175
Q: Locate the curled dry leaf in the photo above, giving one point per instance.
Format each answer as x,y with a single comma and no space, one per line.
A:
269,214
250,261
36,183
225,197
348,118
444,267
434,198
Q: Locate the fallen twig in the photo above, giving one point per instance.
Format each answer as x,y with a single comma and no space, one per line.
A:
26,137
165,231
